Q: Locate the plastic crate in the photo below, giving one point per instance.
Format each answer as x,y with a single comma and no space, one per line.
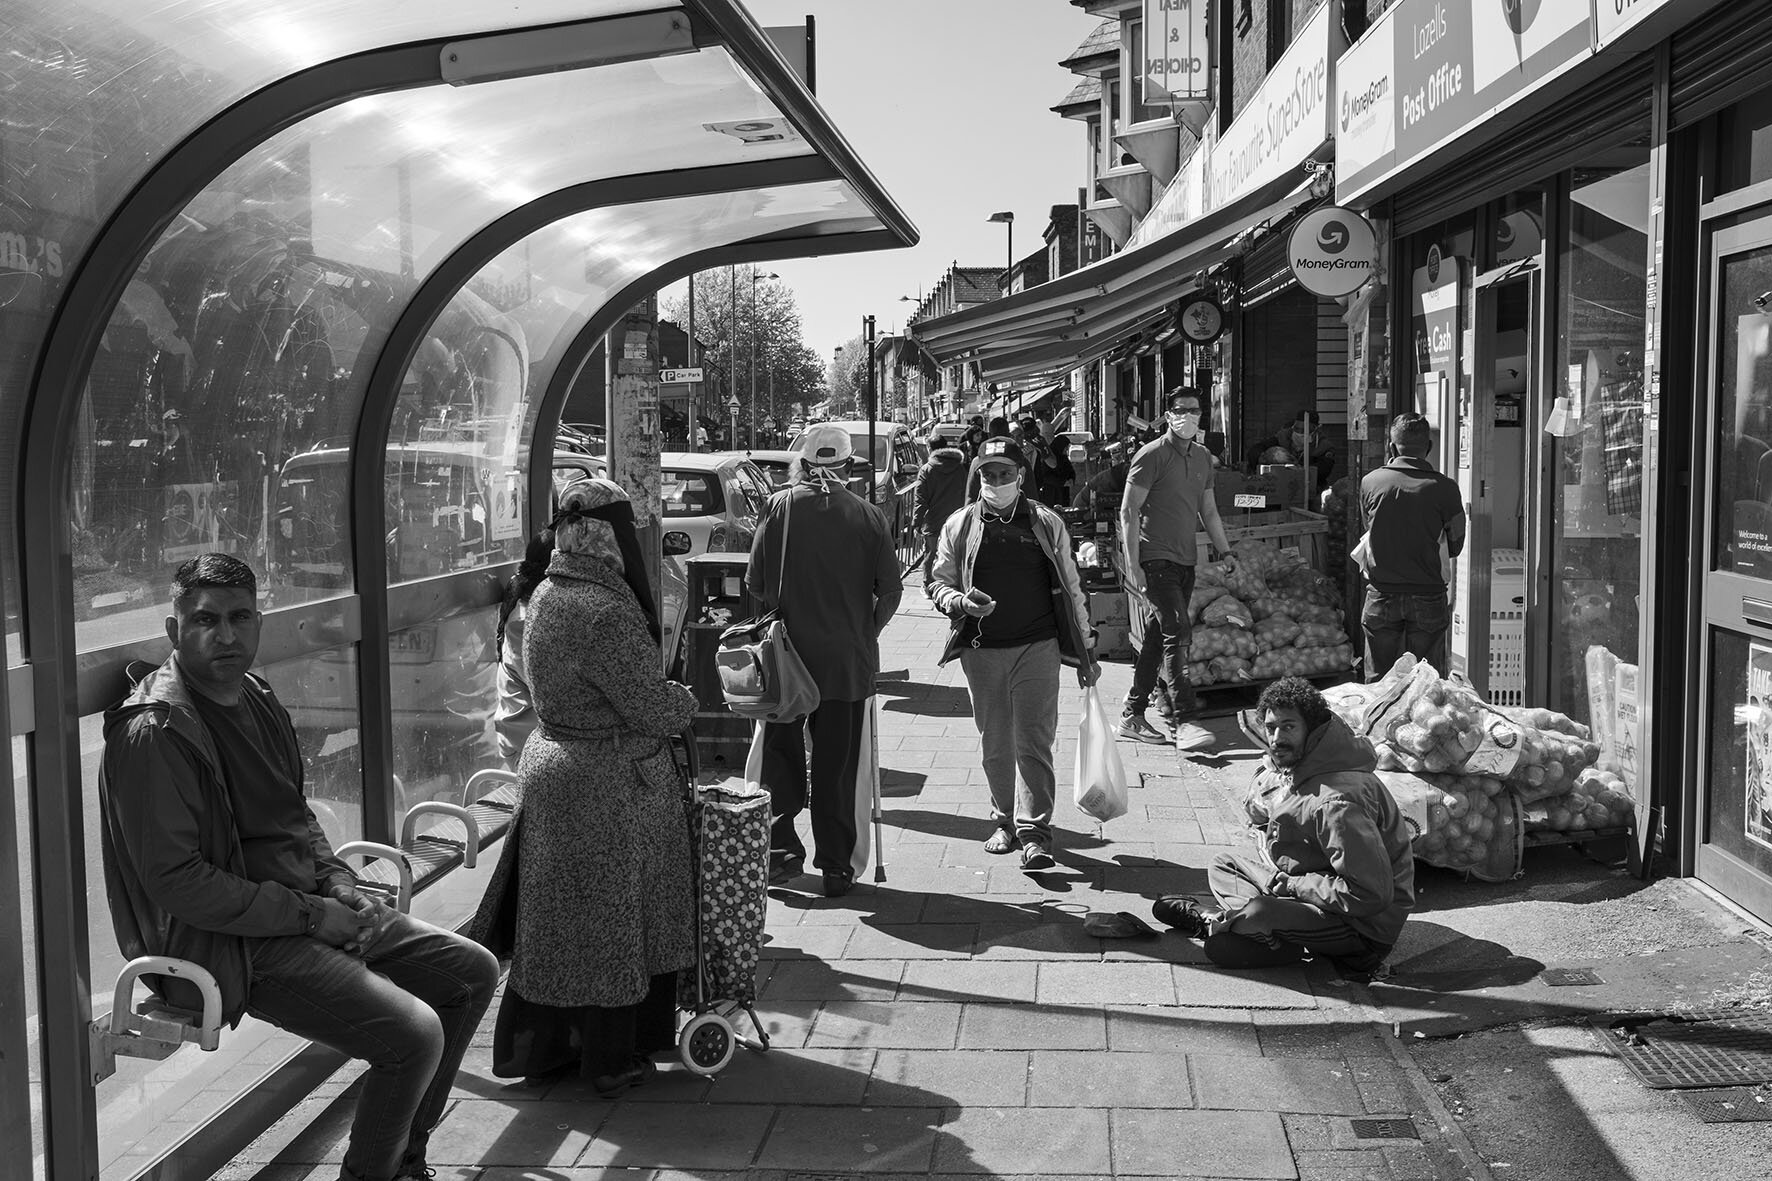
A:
1507,661
1507,584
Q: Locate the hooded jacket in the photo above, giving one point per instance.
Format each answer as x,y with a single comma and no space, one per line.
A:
1334,830
951,577
174,868
941,489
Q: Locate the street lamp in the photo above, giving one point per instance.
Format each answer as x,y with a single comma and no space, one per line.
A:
754,278
1008,220
836,369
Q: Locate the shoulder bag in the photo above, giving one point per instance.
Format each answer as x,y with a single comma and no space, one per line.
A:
761,676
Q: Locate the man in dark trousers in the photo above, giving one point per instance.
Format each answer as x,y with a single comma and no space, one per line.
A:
941,491
836,588
1339,877
1050,471
1168,497
1409,508
213,855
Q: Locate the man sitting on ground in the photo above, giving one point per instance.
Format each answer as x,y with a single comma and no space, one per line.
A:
1339,877
213,855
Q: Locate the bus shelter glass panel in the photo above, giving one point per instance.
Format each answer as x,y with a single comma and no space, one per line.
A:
245,341
94,93
146,1108
1596,525
443,677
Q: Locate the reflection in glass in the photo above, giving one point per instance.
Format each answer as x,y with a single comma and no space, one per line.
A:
1738,779
444,693
320,693
1597,495
24,1014
1743,365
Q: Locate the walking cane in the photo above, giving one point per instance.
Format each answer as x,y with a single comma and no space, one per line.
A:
874,736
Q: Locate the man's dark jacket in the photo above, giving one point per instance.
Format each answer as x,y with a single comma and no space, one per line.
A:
174,870
941,489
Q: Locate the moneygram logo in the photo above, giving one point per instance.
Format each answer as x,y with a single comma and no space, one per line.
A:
1358,106
1333,237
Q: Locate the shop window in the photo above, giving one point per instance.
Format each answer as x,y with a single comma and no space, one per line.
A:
1598,445
1515,234
1132,69
1744,152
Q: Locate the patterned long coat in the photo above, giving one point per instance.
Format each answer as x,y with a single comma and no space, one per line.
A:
600,857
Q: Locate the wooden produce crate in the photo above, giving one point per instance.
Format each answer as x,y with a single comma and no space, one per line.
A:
1282,528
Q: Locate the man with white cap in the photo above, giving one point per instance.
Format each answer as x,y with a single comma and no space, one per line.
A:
836,587
1004,574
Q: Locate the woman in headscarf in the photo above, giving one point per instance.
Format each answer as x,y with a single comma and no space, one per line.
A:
592,898
516,716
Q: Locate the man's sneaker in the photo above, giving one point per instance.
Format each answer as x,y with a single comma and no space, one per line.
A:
1134,726
1191,738
1002,841
1182,913
1035,858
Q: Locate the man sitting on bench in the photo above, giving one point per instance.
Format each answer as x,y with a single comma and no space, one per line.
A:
213,855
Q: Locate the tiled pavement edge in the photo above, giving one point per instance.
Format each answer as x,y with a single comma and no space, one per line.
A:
956,1021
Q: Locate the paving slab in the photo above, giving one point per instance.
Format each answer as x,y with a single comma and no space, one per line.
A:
1090,1078
1218,1144
806,1077
953,1078
844,980
1000,1141
925,1025
1268,988
1241,1083
646,1136
1032,1027
1064,983
858,1139
478,1132
1041,941
1165,1030
969,981
912,941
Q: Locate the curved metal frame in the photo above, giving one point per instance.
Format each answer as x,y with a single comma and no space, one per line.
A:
94,287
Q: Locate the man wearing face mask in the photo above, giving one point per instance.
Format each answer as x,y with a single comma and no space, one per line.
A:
1004,574
1168,496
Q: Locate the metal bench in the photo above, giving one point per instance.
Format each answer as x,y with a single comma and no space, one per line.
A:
154,1029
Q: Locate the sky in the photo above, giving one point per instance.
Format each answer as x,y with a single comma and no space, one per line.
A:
948,103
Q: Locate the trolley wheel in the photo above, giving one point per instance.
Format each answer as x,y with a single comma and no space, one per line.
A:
707,1043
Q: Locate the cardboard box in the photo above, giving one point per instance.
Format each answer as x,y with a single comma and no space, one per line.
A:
1285,488
1113,641
1108,607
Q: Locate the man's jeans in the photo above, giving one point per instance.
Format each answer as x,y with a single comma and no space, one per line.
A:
1015,706
931,543
409,1008
1395,624
1265,931
1167,634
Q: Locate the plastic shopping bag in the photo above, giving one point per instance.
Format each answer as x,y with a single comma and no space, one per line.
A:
1098,781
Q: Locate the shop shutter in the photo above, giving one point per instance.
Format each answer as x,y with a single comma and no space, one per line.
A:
1603,114
1719,60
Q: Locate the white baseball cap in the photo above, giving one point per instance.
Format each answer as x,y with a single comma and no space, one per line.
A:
825,444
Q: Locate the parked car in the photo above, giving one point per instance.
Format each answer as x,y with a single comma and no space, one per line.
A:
892,468
950,433
712,502
776,466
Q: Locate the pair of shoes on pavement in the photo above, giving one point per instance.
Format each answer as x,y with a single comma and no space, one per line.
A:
1188,737
1182,913
1034,854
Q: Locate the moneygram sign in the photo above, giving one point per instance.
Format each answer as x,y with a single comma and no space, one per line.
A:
1286,121
1333,251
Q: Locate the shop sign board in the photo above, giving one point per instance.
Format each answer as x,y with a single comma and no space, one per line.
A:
1332,251
1613,18
1366,109
1436,286
1286,120
1180,203
1453,64
1177,51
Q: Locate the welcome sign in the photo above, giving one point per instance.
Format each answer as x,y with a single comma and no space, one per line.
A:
1452,63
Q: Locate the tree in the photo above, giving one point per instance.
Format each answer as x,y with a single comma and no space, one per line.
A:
789,375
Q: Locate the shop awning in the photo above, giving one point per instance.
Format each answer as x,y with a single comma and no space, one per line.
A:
1080,317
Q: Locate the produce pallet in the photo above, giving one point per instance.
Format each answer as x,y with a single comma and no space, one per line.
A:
1581,836
1230,697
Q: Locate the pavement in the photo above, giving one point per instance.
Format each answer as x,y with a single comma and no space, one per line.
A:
956,1020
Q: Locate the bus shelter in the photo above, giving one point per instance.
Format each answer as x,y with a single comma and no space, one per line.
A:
308,281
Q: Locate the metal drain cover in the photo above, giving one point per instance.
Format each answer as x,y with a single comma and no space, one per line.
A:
1730,1105
1570,977
1385,1129
1718,1048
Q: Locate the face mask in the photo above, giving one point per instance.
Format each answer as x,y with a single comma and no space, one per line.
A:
1185,426
1000,496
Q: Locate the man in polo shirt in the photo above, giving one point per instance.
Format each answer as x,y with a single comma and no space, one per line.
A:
1168,497
1409,508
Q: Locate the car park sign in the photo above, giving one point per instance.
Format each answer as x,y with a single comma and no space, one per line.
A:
679,376
1333,251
